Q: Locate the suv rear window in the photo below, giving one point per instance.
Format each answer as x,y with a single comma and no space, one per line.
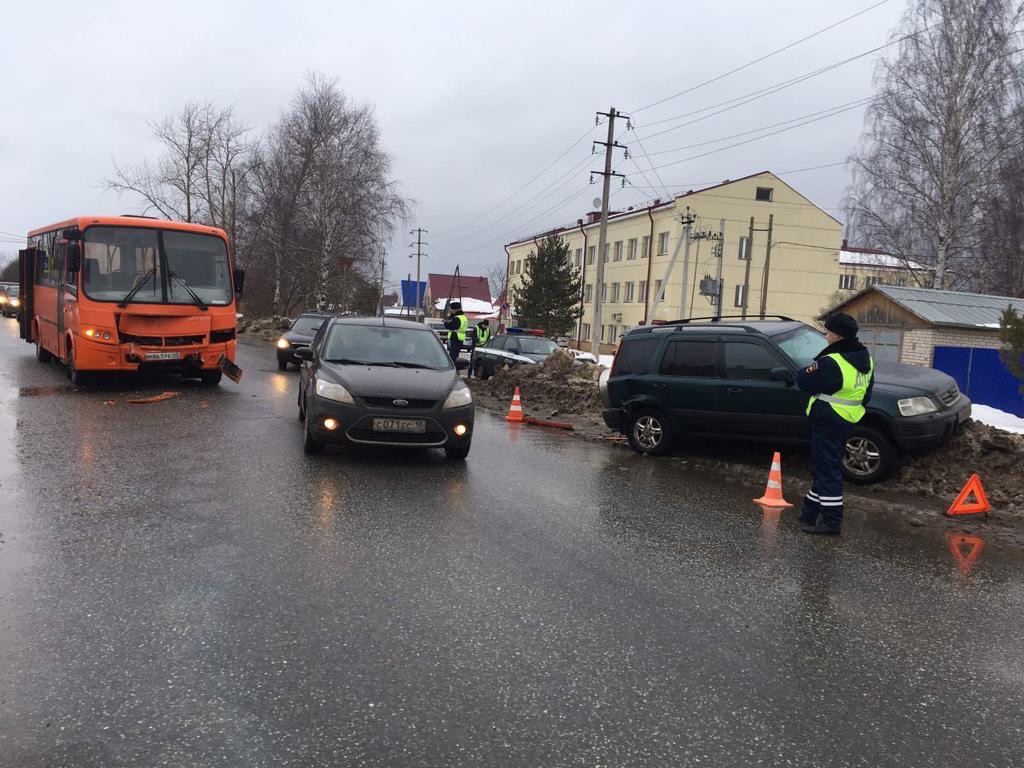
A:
690,358
634,355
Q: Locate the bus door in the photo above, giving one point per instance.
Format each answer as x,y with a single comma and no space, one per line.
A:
27,281
59,249
69,256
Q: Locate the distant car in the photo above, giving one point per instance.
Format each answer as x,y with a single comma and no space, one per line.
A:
10,300
437,326
381,381
300,335
583,357
517,346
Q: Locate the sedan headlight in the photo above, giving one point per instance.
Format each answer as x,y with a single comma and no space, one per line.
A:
335,392
459,396
15,302
917,406
282,343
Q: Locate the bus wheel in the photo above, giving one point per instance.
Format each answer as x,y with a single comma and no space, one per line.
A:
42,355
75,376
210,378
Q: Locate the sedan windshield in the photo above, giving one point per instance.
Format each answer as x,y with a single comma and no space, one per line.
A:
532,345
802,344
307,325
189,268
381,345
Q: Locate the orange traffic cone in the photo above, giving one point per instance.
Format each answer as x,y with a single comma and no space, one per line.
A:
773,493
515,411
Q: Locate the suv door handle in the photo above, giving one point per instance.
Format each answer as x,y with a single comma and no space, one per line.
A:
733,390
659,386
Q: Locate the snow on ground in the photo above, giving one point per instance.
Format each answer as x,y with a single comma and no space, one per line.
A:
996,418
606,360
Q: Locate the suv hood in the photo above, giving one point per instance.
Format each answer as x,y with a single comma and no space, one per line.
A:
898,379
382,381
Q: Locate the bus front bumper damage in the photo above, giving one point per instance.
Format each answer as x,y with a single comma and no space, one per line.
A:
100,356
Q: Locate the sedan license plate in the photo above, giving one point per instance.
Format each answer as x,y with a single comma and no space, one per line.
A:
416,426
163,355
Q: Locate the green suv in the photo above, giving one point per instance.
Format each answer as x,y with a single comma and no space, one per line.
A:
736,380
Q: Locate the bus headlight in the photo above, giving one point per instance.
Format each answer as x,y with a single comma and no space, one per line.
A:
98,334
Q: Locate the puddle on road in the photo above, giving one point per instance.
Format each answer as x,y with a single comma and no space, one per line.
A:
44,391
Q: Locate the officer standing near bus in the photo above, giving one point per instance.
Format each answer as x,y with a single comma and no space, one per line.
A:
457,324
839,382
481,335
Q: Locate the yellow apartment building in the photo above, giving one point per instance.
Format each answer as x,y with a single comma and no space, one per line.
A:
799,279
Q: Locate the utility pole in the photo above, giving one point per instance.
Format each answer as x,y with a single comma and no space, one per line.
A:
602,240
659,297
720,250
746,274
767,266
419,232
687,237
383,259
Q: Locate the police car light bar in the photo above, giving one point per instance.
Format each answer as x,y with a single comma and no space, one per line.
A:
524,331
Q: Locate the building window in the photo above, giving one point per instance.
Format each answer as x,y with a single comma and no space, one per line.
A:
741,295
631,249
604,292
874,280
611,333
602,332
645,247
615,292
657,289
607,250
588,293
744,252
579,258
663,244
847,282
618,250
764,194
642,291
586,332
591,253
628,297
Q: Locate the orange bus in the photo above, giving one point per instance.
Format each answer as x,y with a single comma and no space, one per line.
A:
124,293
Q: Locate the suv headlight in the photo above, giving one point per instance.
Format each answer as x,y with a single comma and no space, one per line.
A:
459,396
917,406
335,392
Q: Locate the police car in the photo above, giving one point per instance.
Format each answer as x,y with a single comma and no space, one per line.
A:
516,346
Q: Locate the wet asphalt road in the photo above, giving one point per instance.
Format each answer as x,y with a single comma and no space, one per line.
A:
181,586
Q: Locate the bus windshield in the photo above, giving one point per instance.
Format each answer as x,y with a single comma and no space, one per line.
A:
117,260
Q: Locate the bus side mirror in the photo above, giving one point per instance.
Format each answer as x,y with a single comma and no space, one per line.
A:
239,281
73,259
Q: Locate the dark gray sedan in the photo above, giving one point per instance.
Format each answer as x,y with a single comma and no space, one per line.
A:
376,381
298,336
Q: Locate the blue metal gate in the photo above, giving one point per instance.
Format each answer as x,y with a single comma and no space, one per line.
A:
982,376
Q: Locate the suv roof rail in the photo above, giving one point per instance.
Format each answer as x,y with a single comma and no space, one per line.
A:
713,319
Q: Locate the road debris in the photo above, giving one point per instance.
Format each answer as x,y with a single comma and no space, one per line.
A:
153,399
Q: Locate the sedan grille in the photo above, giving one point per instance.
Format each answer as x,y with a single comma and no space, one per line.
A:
370,436
389,403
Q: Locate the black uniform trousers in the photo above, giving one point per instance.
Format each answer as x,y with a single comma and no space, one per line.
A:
829,432
454,346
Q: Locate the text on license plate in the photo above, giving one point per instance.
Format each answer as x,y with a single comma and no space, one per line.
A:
399,425
163,355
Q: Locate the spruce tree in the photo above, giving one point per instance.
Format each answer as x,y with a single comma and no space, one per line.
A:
549,295
1011,333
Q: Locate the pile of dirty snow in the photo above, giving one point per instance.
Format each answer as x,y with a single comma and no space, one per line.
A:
556,386
264,328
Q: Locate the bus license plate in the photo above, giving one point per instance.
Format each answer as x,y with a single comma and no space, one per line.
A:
417,426
163,355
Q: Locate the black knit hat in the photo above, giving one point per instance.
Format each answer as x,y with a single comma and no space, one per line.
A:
455,305
842,324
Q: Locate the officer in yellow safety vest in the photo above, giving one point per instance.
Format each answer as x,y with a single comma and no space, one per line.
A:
839,382
457,324
480,336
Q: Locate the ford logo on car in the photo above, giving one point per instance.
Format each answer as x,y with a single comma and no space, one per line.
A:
400,403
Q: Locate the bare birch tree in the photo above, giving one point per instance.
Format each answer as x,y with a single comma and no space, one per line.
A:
200,171
936,132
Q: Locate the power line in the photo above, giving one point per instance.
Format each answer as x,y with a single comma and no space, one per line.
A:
761,58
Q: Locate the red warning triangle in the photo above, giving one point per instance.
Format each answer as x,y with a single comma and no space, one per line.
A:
965,557
964,507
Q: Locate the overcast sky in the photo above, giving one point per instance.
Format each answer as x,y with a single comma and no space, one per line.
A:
474,99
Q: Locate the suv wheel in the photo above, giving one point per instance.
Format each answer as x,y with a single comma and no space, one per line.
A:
649,432
868,456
